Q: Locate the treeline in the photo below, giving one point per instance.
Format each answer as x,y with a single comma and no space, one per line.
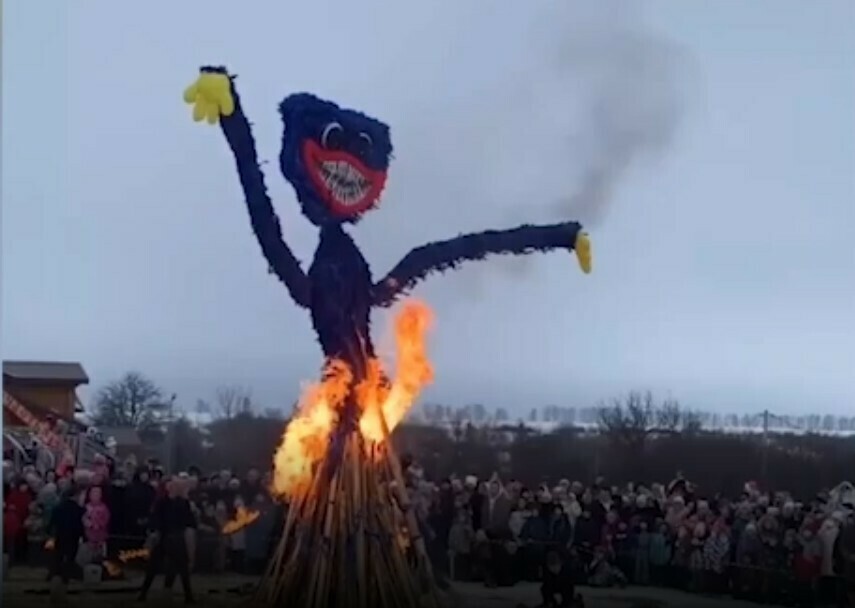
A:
803,464
554,415
635,438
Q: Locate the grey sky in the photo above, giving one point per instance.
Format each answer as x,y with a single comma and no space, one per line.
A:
724,265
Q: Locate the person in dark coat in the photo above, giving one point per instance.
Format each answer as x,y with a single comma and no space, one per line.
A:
139,500
173,525
558,588
66,528
115,495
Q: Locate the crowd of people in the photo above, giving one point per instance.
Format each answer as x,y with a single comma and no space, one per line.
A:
116,513
759,545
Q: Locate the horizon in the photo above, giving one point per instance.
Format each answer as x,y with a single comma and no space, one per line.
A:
724,268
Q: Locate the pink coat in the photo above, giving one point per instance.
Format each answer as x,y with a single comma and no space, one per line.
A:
96,522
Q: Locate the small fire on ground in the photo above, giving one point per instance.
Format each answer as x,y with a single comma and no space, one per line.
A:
307,436
132,554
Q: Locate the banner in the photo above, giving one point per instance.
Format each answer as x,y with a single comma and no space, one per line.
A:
42,429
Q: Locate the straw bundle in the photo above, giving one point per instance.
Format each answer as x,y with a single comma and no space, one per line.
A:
351,540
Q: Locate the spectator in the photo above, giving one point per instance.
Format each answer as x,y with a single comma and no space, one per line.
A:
257,534
660,555
12,524
847,554
236,543
494,534
807,563
716,556
643,552
66,528
828,532
96,524
19,499
461,537
696,556
139,503
211,556
173,541
558,587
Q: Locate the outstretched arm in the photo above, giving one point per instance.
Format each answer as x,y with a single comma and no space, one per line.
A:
238,134
443,255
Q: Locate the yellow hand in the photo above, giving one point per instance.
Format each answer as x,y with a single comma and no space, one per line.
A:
211,97
583,251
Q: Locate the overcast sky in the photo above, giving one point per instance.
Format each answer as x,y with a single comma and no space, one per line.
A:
711,145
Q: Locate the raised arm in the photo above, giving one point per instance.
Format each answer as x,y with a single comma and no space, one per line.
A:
442,255
215,98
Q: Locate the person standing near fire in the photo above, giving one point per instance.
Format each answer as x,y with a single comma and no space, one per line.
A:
173,541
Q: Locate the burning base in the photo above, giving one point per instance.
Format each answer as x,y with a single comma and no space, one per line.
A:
351,538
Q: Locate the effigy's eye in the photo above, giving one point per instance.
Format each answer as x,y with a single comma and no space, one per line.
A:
332,136
364,144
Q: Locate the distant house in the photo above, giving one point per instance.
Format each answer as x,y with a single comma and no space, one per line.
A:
126,442
46,388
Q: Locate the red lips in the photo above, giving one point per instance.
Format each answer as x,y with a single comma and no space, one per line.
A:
346,185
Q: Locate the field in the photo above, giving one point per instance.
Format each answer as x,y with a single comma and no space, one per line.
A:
26,587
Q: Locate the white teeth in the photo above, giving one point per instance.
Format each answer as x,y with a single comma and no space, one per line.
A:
344,181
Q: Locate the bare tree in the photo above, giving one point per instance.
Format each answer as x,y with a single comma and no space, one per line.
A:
691,423
232,401
669,416
628,420
133,401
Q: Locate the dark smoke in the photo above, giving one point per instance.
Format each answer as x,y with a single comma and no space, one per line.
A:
632,101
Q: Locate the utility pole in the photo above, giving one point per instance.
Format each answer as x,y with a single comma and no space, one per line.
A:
765,465
170,434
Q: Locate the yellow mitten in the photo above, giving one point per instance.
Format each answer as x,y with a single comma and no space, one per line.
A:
583,251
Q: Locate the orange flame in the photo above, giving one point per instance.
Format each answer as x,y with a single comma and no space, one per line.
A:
50,544
132,554
242,519
414,371
113,569
307,436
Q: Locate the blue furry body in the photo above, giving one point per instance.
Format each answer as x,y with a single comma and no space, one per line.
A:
338,290
341,299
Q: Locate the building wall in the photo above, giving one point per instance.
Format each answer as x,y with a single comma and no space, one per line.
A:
57,398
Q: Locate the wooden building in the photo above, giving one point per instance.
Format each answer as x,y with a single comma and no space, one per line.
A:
45,388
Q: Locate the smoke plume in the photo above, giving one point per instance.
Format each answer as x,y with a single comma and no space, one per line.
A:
533,113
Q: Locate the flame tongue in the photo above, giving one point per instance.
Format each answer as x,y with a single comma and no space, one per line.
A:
307,436
242,519
414,372
132,554
308,433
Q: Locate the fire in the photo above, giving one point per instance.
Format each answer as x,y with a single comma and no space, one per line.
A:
132,554
50,544
113,569
307,436
308,433
242,519
414,371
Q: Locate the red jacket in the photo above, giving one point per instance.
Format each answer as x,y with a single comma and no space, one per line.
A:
12,523
20,500
806,569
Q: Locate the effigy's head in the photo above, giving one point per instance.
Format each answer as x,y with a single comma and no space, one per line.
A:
335,158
